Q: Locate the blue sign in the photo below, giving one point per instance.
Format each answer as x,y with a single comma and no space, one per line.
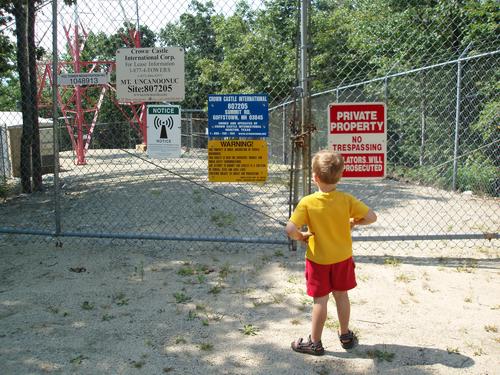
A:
238,115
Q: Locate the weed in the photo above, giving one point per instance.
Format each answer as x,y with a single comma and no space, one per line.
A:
468,267
53,309
468,299
332,324
121,299
222,219
155,192
137,364
180,340
216,289
180,297
206,346
278,298
86,305
197,196
200,307
204,322
78,359
140,270
107,317
293,279
392,262
380,355
4,188
186,271
278,253
403,278
201,278
192,315
491,328
306,301
249,329
224,271
478,351
266,258
452,350
168,369
295,322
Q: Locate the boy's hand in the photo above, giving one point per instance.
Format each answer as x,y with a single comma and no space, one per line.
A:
305,236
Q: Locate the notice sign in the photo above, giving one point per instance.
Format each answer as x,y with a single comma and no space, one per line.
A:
237,161
359,132
164,131
150,74
238,115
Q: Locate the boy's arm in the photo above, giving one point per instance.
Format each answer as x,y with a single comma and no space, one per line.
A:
369,218
295,234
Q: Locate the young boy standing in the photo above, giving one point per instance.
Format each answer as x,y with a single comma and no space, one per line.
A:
329,215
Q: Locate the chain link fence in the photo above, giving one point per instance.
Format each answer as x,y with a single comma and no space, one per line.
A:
434,65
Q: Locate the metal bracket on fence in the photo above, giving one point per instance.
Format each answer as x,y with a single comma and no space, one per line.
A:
299,139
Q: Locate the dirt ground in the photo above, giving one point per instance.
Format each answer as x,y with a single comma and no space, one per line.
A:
145,307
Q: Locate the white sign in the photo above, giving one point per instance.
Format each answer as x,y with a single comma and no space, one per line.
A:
150,74
359,132
164,131
75,79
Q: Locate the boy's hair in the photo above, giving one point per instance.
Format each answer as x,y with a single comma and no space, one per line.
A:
328,166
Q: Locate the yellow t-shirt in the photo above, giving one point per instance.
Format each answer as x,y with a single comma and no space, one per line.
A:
327,215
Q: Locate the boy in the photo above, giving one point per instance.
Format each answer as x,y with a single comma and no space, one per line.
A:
329,215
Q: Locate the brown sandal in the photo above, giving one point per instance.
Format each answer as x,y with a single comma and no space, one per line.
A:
308,347
348,340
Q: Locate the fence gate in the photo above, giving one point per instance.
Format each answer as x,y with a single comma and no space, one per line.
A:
100,181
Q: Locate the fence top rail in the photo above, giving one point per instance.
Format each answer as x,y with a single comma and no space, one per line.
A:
393,75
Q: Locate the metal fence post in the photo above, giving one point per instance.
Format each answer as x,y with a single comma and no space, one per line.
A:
55,121
457,117
305,102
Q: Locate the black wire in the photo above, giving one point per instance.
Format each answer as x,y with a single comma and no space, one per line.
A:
204,187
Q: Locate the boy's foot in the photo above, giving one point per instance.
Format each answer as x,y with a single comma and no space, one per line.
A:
308,347
348,340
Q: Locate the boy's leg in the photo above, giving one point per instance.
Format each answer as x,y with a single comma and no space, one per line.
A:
319,313
343,310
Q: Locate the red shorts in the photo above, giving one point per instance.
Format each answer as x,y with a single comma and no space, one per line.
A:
321,279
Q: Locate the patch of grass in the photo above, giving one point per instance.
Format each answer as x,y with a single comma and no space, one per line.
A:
4,188
451,350
197,196
204,322
107,317
200,307
53,310
278,298
78,359
222,219
332,324
186,271
120,299
224,271
216,289
392,262
293,279
206,346
155,192
138,364
468,266
491,328
180,340
380,355
86,305
181,297
404,278
468,299
192,315
295,322
249,330
278,253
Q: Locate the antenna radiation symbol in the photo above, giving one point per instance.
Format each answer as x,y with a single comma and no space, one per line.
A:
169,122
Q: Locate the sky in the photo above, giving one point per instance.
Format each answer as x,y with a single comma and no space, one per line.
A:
108,15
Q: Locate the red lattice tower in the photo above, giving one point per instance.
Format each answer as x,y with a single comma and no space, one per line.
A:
74,101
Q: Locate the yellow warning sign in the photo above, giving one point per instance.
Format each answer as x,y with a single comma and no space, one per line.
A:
237,161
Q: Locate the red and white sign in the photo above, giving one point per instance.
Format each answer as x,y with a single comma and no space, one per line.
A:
359,132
